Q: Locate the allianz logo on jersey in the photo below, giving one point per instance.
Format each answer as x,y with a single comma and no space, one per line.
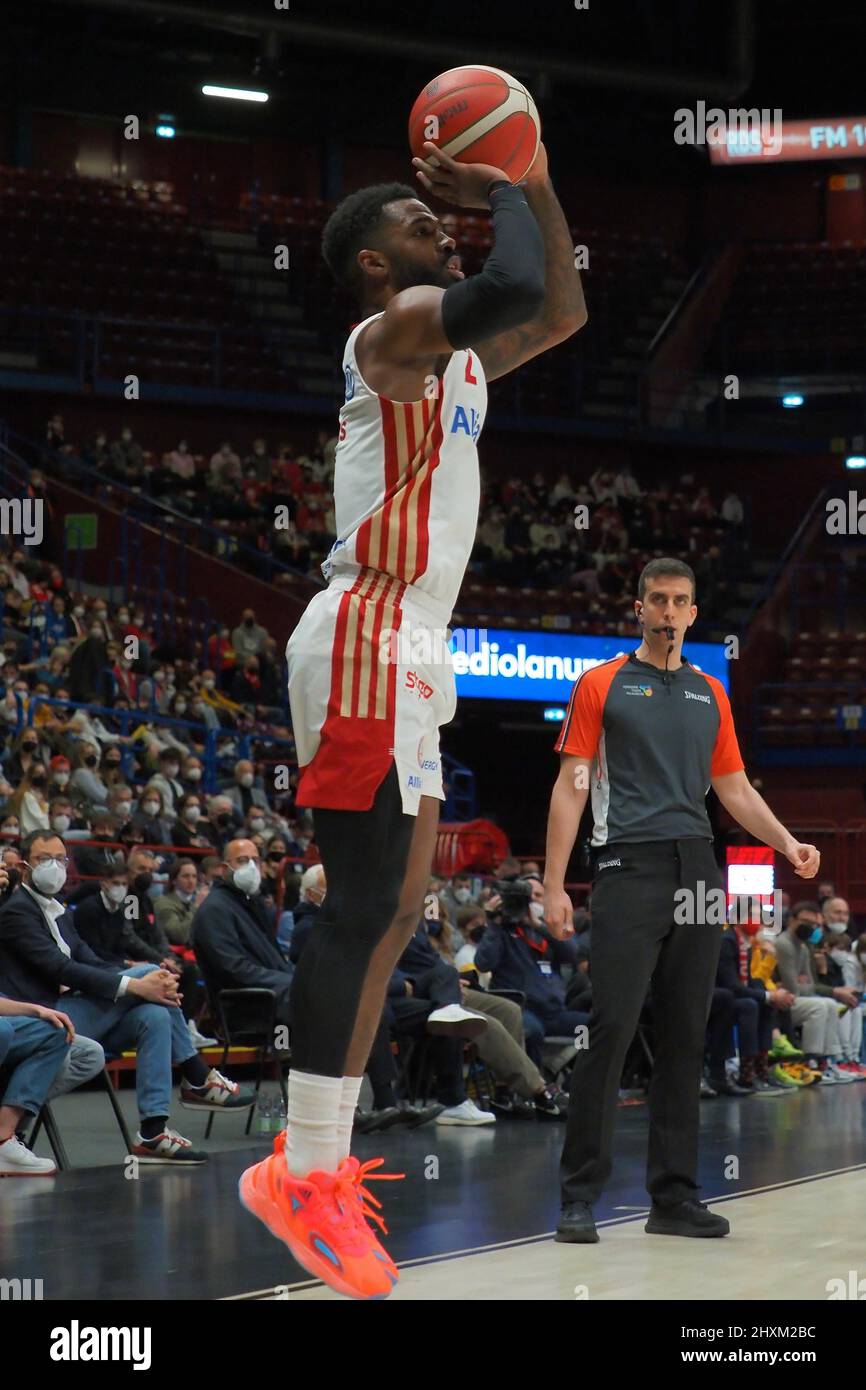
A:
466,421
690,695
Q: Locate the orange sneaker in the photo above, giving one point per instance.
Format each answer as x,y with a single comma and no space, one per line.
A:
321,1218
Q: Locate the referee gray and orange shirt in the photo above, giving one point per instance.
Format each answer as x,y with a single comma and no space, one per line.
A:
656,739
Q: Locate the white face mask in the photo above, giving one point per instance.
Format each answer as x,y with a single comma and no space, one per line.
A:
536,911
246,779
192,814
257,824
462,895
150,808
61,778
194,774
248,877
172,769
116,893
209,683
49,878
61,824
837,927
185,896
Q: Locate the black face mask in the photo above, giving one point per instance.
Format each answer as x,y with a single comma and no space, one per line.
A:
38,781
476,934
91,760
142,882
804,930
434,928
14,879
29,747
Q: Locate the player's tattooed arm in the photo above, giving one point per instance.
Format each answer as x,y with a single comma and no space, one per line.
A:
564,309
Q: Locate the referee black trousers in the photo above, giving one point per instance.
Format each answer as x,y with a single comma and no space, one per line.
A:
637,941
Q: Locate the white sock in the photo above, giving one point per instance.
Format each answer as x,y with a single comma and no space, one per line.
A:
314,1111
348,1101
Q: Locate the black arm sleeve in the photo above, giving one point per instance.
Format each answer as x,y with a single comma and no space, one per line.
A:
510,289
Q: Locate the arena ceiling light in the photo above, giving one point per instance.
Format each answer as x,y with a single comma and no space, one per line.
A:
855,461
792,401
233,93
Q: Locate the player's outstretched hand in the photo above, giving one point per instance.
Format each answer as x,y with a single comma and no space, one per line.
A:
464,185
805,858
558,913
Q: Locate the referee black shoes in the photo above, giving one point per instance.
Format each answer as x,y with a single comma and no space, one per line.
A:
576,1225
690,1218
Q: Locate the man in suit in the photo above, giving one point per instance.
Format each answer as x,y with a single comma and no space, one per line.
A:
244,793
42,957
231,932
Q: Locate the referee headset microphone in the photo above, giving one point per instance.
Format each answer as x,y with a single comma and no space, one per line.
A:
670,635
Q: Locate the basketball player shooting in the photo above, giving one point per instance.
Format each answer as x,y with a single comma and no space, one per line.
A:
370,674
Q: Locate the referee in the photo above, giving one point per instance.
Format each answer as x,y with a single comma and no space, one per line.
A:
648,733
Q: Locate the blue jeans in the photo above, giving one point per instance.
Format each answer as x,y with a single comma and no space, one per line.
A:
157,1032
31,1054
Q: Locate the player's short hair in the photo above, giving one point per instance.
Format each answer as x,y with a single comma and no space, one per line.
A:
667,566
354,224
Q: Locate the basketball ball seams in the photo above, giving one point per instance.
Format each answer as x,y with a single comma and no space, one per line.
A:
484,117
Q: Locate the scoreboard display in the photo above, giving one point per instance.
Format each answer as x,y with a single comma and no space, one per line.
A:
774,142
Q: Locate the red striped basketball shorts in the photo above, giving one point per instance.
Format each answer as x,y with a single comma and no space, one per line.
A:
371,681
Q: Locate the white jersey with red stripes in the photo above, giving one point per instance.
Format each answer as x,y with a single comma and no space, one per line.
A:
406,484
365,692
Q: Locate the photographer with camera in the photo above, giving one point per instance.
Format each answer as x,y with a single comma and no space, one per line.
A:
521,954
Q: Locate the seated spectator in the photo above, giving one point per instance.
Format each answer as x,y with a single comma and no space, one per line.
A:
94,860
191,830
249,638
232,935
181,462
100,922
245,793
86,785
166,779
176,908
34,1043
149,817
41,954
520,1088
841,968
59,772
521,955
29,801
221,822
816,1005
755,1003
25,752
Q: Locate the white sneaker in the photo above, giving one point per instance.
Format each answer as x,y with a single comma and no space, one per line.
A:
466,1114
16,1161
198,1039
839,1075
456,1022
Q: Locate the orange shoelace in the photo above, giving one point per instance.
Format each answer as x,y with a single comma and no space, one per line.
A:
353,1184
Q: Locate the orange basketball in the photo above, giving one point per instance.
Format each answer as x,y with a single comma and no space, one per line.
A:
478,115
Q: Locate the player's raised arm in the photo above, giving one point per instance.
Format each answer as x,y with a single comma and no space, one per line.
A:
563,311
426,320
